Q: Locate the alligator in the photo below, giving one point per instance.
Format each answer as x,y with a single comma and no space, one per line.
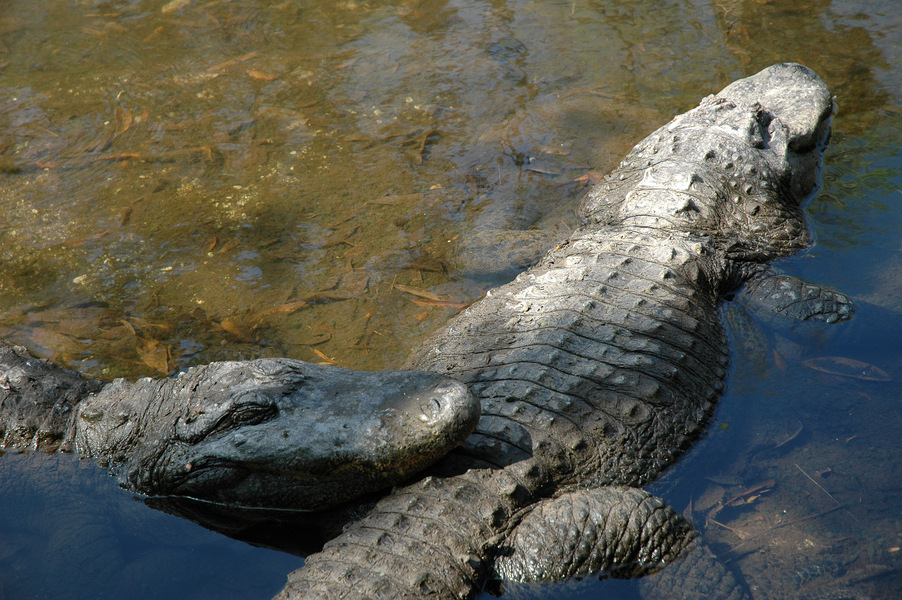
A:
270,433
593,371
598,366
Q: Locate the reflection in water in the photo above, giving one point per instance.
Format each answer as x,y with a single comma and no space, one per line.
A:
188,181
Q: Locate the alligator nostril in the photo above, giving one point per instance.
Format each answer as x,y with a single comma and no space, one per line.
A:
431,406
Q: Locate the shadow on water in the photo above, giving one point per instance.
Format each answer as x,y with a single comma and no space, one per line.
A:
190,181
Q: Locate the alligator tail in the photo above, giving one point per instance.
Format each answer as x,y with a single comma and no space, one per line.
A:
428,540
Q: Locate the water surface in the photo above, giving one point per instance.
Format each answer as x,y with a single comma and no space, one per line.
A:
190,181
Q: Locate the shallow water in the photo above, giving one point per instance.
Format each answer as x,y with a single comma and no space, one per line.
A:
191,181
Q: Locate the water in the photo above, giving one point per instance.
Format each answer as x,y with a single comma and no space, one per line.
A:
68,532
191,181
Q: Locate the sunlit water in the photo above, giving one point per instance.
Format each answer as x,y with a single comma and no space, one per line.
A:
191,181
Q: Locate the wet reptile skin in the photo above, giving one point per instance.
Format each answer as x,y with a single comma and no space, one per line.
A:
600,365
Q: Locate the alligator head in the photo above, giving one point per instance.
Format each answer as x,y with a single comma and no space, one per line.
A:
736,169
273,432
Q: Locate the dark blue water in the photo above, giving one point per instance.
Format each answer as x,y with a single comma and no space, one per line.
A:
67,531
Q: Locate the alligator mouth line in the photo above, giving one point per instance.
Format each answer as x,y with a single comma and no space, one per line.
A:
244,508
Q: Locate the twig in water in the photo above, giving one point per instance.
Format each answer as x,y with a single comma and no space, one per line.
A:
838,503
787,524
740,534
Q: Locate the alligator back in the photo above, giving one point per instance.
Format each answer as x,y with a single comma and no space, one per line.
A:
597,366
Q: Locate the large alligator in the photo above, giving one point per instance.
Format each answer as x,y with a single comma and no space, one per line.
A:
594,369
598,366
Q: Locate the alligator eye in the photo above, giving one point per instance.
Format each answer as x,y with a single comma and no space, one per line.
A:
246,411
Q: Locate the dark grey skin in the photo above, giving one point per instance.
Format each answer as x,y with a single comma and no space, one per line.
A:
273,433
597,367
594,370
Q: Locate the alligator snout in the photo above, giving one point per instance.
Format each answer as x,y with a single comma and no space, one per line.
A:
449,404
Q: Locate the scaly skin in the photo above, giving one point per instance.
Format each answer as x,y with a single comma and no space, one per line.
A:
601,364
271,433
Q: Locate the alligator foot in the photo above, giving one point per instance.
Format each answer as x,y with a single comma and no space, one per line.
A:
613,531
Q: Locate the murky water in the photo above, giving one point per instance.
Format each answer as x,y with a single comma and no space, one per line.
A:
189,181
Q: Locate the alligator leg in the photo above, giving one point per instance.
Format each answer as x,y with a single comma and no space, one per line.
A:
617,532
796,299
